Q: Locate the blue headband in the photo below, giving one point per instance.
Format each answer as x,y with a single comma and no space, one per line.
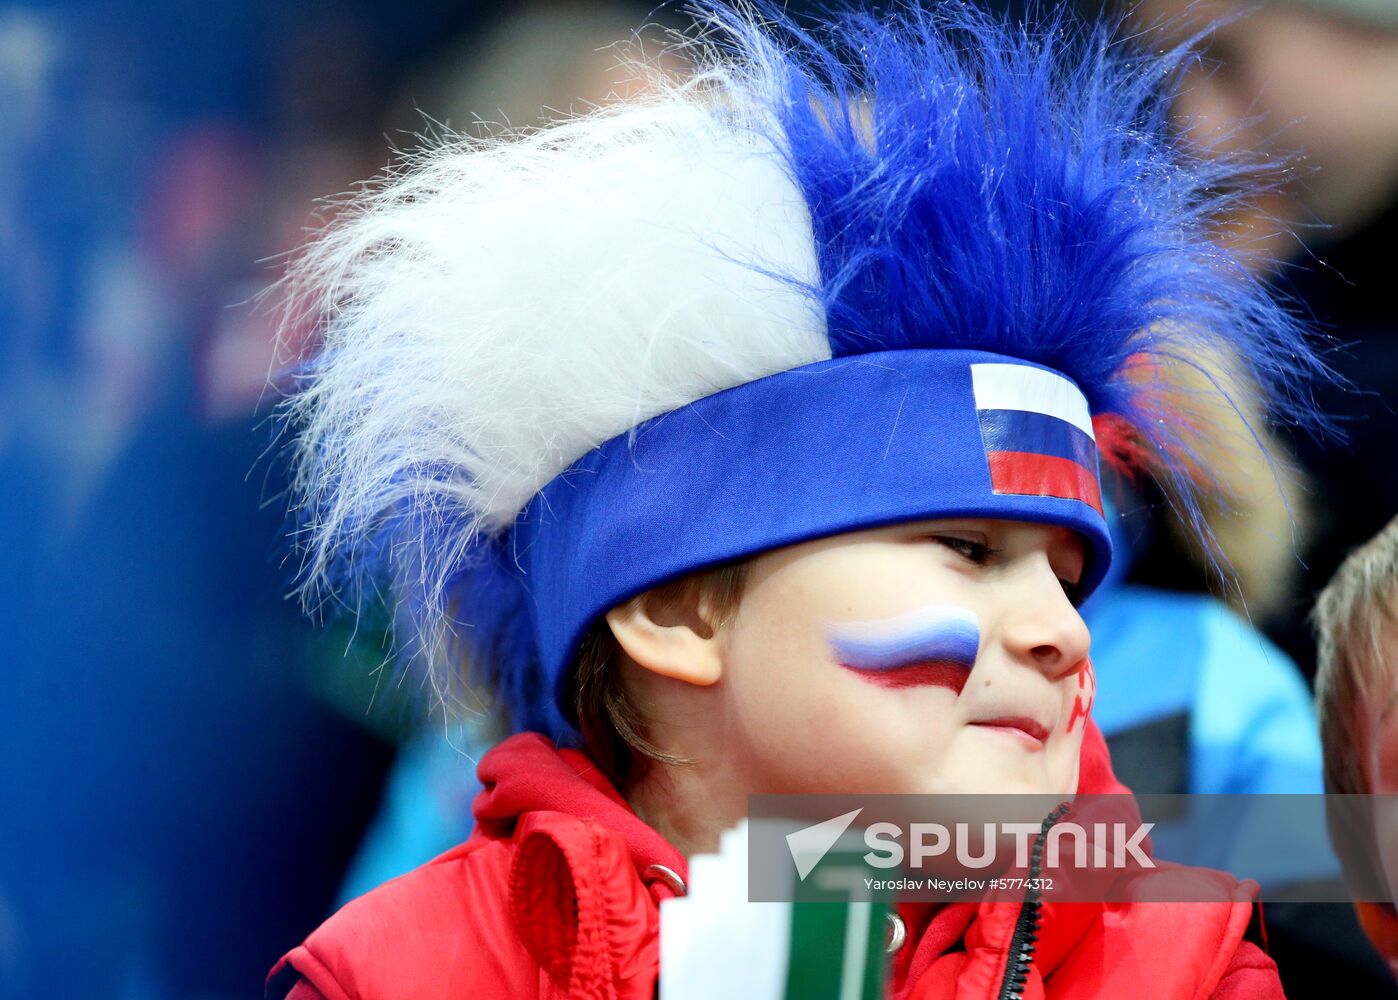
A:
831,447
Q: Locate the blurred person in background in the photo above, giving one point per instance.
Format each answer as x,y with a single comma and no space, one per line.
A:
1356,620
1312,85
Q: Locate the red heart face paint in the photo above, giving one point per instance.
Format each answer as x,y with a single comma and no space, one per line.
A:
1087,693
934,646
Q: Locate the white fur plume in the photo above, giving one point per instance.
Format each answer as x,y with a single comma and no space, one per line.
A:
494,309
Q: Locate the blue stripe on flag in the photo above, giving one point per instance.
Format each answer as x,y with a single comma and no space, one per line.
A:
1036,433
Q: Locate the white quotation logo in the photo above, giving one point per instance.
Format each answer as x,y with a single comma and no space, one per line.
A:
809,845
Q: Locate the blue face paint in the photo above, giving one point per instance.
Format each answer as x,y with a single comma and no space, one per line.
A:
935,645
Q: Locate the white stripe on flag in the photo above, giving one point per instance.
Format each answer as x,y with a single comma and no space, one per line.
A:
1021,387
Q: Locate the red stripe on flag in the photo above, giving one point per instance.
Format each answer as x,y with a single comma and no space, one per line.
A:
1023,473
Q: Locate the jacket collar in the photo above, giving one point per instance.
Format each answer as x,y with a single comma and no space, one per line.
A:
532,790
528,774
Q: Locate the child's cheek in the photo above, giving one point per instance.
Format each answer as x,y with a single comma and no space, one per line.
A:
1083,698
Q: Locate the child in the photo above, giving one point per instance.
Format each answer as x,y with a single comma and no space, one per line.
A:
1356,619
743,438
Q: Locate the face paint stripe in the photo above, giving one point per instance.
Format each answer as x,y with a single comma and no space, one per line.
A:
1082,701
956,643
931,646
947,675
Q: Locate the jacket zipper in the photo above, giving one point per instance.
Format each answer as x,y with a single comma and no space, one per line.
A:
1026,933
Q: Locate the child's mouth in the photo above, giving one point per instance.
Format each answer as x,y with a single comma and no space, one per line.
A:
1028,731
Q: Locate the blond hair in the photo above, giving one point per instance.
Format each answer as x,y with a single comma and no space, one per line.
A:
1350,618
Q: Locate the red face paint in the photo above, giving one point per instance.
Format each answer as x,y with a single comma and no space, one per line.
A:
1087,693
940,674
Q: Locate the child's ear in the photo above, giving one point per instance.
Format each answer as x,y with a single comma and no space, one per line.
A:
672,631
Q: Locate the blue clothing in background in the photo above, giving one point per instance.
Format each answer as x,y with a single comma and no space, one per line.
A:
425,810
1192,699
1251,725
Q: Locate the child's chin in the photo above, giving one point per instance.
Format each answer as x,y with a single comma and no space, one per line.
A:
1039,784
978,781
1013,778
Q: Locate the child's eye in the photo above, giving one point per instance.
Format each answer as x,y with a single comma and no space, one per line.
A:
1074,592
977,552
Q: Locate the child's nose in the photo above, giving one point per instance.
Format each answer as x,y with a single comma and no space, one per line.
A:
1042,628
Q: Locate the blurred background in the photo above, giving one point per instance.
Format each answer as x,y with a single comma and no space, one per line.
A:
191,775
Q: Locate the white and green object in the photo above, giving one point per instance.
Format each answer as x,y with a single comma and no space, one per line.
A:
826,944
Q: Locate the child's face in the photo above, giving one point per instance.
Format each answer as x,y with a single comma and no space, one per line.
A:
938,656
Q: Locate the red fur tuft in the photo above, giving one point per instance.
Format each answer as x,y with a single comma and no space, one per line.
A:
1122,446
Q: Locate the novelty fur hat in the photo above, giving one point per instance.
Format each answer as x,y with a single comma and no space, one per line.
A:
924,266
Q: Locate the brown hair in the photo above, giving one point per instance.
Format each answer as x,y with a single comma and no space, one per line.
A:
613,727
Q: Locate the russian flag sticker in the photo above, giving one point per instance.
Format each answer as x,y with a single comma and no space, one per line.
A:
1037,433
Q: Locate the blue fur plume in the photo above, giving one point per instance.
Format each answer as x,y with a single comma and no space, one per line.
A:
1018,190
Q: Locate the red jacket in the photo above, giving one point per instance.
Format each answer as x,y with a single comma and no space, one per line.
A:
552,898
